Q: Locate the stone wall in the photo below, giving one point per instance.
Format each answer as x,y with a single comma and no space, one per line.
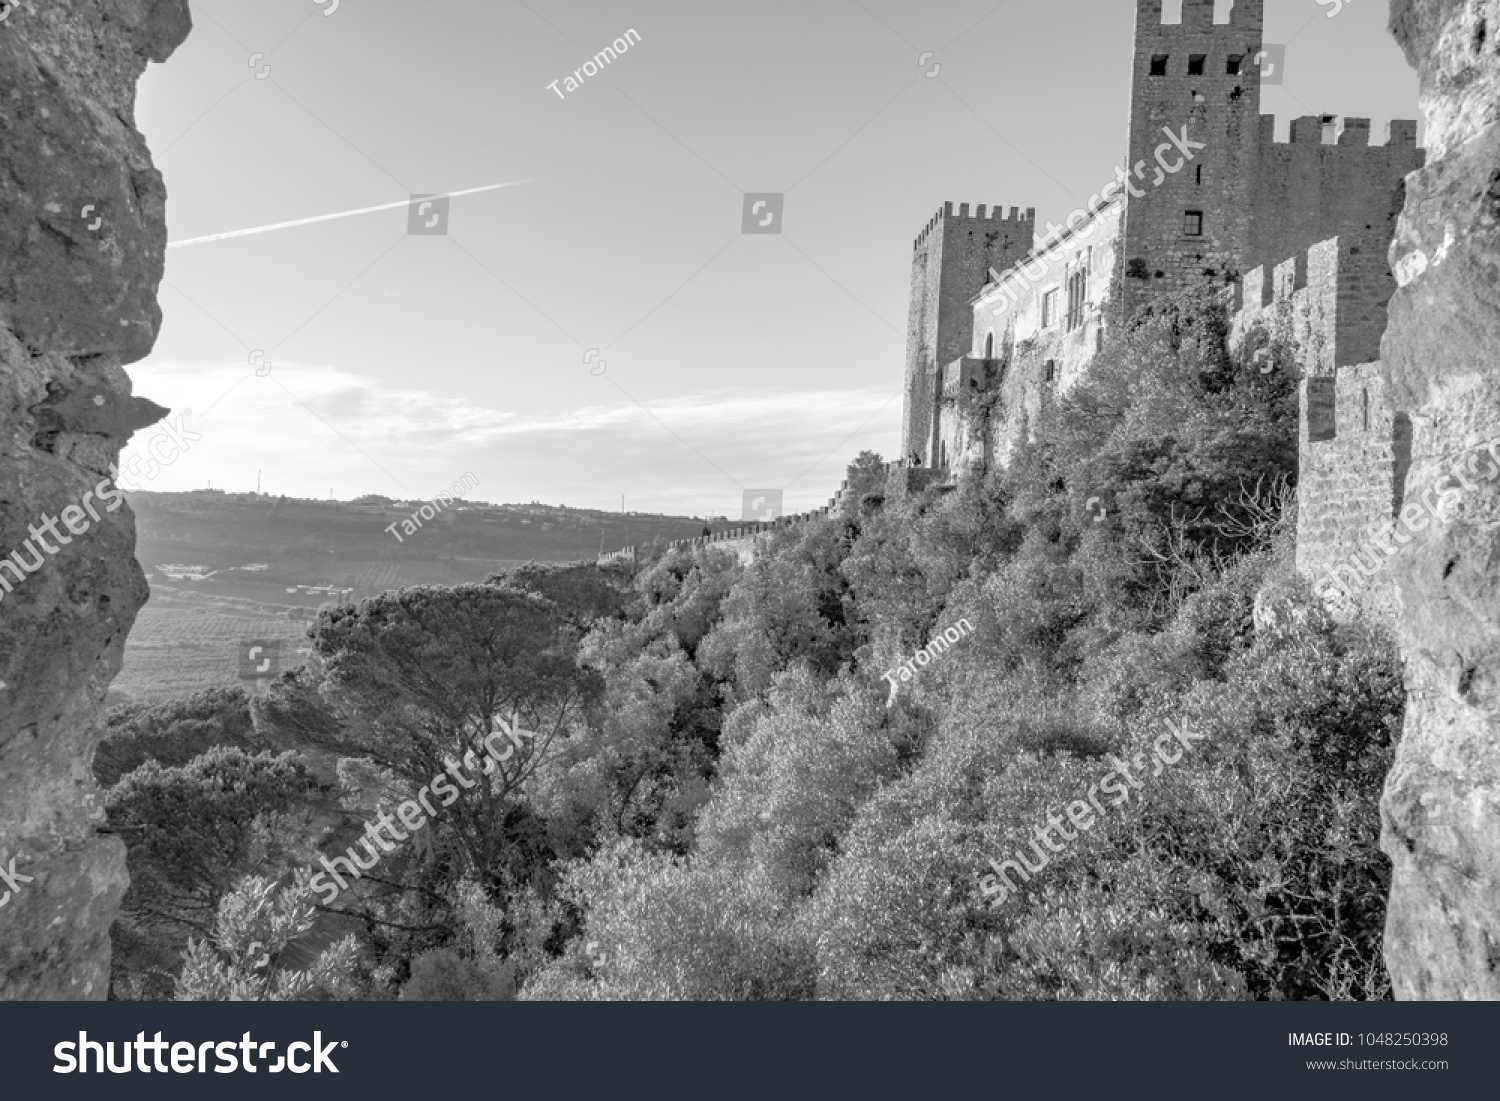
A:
1215,107
1039,355
1322,313
1441,808
951,259
963,415
77,302
1328,302
1306,190
742,541
1355,451
745,541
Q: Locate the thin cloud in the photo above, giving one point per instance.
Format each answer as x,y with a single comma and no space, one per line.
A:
330,217
356,435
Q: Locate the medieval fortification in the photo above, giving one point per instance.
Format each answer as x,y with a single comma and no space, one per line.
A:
1296,234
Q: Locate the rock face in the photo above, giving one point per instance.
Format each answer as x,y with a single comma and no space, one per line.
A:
1442,351
82,233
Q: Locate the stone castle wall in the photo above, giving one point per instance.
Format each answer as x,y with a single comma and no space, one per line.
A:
1328,180
963,423
1322,313
1216,107
1039,353
1329,301
747,540
1209,198
951,259
1354,455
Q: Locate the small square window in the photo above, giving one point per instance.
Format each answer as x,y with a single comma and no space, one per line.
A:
1235,61
1196,62
1159,65
1192,223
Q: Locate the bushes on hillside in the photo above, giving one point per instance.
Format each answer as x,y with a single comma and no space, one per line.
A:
733,804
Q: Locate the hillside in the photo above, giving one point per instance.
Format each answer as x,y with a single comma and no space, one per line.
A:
249,566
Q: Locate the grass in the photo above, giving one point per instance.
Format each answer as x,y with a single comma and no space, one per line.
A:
181,645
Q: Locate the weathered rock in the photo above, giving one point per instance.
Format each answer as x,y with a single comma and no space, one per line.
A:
82,234
1442,351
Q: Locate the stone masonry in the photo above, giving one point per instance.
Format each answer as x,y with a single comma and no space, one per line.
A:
1205,196
951,259
1322,313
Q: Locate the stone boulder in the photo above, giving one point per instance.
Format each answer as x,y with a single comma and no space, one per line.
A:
1441,809
82,234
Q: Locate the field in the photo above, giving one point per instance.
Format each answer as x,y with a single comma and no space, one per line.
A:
234,556
182,644
189,635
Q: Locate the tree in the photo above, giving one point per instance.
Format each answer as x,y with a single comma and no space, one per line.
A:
866,476
583,593
191,833
258,930
173,733
421,677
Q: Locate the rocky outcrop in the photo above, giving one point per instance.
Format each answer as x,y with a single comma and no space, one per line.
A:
82,233
1442,352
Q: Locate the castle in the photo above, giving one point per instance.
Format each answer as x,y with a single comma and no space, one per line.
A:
1002,320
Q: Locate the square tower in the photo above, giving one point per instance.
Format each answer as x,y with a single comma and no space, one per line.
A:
1188,215
950,264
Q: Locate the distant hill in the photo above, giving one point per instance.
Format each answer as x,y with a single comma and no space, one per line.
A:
246,565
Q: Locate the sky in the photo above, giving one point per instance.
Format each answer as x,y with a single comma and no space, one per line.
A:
602,333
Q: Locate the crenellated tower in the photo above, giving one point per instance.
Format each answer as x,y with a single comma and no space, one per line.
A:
1198,80
951,259
1208,195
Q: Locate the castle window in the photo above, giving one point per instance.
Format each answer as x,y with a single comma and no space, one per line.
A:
1196,62
1049,371
1192,223
1078,289
1200,175
1049,309
1159,65
1235,62
989,345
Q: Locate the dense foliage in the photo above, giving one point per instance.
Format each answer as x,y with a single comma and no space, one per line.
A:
722,795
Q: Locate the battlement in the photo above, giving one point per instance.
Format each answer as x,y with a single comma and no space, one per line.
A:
1197,17
995,216
1347,133
1354,454
1329,301
741,540
900,477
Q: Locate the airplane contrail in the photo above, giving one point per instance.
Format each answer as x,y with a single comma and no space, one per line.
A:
331,217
